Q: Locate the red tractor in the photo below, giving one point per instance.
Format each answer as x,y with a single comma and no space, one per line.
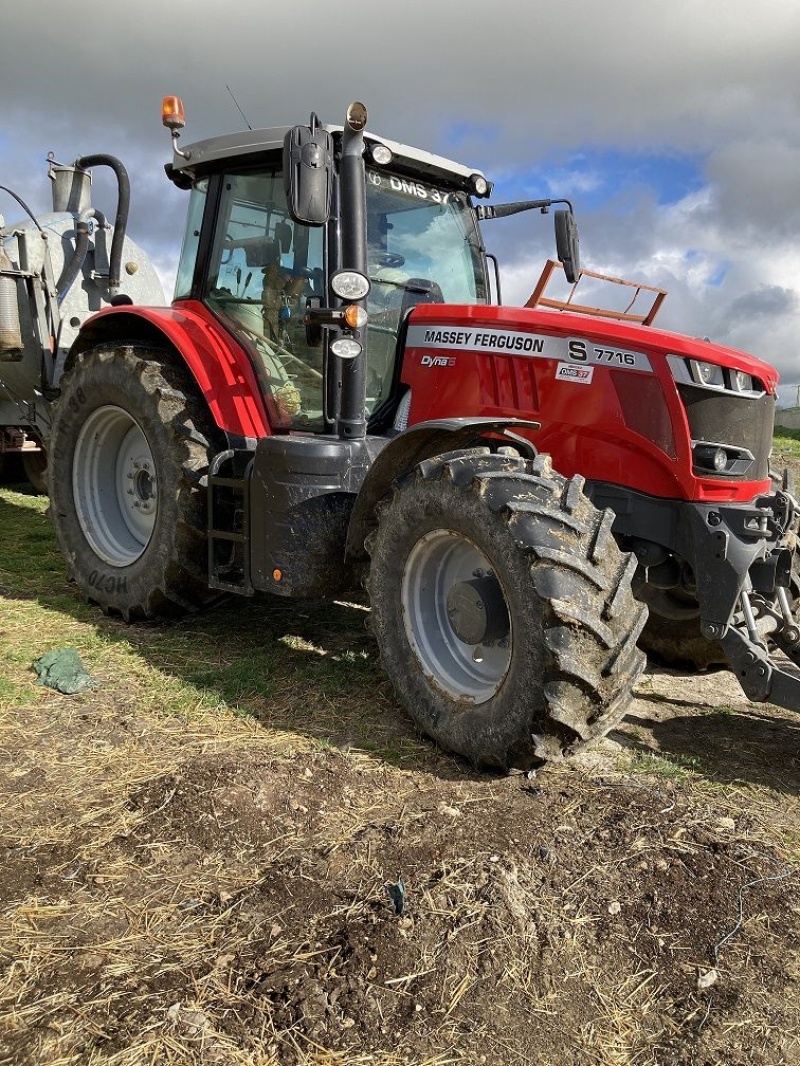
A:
332,395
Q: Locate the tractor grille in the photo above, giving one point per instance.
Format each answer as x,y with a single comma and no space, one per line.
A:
734,420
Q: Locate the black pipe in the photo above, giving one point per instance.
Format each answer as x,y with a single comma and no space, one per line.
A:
123,206
73,267
24,207
352,423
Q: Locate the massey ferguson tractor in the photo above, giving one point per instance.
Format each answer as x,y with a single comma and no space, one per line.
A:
336,394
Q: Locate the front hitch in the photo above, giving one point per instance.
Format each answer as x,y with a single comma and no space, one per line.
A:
761,679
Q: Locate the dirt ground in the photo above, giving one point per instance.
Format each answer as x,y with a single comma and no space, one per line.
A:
235,909
275,882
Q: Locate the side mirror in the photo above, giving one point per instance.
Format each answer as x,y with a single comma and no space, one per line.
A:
568,244
308,173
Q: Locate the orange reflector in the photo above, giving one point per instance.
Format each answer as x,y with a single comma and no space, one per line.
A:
172,113
277,575
355,316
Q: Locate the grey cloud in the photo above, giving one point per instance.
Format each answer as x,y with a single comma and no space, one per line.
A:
765,300
500,86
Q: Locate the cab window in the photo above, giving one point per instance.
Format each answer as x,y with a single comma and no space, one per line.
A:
263,268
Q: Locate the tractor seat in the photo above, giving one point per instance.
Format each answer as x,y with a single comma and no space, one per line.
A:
419,291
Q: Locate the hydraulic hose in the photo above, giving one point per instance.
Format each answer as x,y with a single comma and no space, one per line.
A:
73,268
123,206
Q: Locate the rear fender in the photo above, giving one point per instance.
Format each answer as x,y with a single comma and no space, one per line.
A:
426,439
220,368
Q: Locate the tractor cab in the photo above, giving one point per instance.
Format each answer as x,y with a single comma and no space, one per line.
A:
264,271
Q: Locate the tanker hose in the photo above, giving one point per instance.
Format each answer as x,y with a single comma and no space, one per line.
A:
73,268
123,205
24,206
82,233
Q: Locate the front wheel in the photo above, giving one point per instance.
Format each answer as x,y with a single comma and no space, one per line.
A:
503,609
130,446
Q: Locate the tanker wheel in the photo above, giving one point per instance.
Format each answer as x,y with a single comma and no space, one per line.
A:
35,466
130,446
503,609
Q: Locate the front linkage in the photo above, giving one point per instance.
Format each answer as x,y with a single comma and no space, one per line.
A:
743,559
764,602
739,559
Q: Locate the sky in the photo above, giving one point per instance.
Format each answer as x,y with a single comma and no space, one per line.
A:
674,128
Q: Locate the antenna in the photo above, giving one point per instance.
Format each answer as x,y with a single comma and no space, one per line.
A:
230,90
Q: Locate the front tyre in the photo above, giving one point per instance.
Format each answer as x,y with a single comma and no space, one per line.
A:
503,609
129,450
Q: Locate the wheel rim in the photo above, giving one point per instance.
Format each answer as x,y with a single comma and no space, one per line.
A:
439,561
114,486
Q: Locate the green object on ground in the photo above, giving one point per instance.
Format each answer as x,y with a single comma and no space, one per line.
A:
62,670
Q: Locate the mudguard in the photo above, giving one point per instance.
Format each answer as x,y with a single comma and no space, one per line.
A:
220,367
403,452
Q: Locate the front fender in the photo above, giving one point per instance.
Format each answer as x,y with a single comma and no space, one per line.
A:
217,364
403,452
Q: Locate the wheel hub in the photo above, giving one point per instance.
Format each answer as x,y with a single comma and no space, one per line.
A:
456,616
477,610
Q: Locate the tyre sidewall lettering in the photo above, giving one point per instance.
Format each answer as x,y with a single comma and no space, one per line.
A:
105,582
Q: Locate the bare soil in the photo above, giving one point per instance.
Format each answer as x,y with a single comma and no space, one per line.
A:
300,879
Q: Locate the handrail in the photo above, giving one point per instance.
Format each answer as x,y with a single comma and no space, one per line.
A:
538,299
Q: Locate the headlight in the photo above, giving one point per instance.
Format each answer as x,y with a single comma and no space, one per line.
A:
711,457
380,154
479,185
349,285
708,374
742,381
346,348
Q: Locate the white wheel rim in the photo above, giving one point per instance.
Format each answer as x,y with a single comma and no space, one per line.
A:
438,561
114,486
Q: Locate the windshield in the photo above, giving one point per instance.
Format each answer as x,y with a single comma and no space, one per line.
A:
417,231
422,247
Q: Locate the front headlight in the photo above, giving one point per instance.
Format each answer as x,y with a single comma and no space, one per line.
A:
708,374
742,382
346,348
349,285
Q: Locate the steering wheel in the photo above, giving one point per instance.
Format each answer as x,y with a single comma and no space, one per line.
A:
390,259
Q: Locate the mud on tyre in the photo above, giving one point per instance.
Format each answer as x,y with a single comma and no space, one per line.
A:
129,450
502,608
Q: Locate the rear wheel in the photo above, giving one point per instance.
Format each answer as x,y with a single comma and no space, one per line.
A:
502,608
129,449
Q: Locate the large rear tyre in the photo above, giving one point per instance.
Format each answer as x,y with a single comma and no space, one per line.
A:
129,450
503,609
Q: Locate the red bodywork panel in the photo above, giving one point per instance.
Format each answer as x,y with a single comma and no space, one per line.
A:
218,364
619,420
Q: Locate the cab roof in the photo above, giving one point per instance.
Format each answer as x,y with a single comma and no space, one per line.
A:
202,156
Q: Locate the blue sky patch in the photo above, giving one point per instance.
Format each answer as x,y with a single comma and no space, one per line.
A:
594,178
